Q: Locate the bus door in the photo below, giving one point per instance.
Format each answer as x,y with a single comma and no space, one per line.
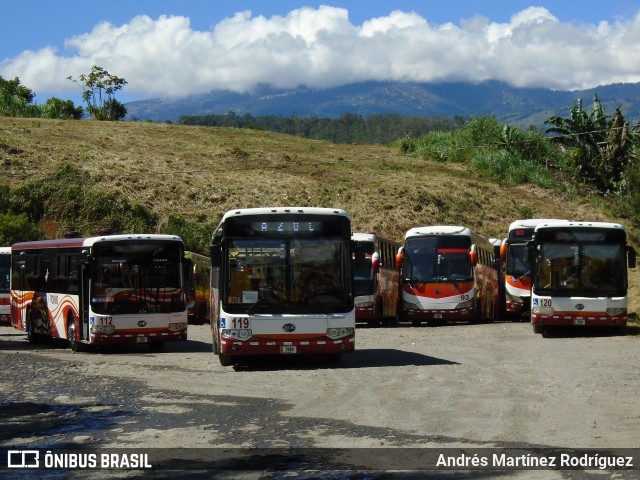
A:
21,304
83,295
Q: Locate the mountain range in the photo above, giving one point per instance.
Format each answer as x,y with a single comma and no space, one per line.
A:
518,106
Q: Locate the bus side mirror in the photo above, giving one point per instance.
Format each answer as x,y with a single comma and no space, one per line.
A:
631,257
399,258
503,250
473,256
375,263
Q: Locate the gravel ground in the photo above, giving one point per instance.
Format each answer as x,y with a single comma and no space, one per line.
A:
425,389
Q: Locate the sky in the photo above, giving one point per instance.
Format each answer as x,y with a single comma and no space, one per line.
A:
175,48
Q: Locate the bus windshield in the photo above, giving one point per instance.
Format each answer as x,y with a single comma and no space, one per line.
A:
137,278
287,275
517,265
362,272
573,269
442,258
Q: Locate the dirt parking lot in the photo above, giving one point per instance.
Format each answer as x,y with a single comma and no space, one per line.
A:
455,386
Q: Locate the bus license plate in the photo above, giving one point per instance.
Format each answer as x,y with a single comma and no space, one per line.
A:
437,315
579,321
288,349
141,339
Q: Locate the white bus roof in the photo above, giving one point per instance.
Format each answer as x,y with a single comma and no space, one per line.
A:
284,210
532,222
438,230
370,237
90,241
576,224
5,250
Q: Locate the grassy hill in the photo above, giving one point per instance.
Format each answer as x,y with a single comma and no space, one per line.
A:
198,173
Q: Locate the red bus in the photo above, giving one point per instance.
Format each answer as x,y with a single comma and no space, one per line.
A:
5,281
448,273
101,290
281,283
376,278
579,275
517,268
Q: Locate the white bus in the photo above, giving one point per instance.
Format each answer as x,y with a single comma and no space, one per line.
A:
101,290
5,282
448,273
282,283
376,279
517,268
579,274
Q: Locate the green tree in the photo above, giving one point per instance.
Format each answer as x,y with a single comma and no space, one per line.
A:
61,109
17,228
98,92
15,99
602,144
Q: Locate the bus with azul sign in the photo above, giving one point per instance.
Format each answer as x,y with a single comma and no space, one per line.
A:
579,275
100,290
281,283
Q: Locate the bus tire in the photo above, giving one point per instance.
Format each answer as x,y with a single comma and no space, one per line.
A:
31,336
538,328
415,323
214,346
71,336
156,347
225,360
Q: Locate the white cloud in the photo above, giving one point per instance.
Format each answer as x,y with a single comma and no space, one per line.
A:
322,48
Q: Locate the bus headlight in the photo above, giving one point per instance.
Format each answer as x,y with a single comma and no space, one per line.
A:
513,298
240,334
542,310
463,305
103,329
340,332
410,306
614,312
174,327
364,305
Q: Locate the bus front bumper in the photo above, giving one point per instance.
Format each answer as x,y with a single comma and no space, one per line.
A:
257,346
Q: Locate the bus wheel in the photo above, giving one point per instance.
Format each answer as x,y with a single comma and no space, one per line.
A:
225,360
415,323
538,328
71,336
214,346
156,347
31,336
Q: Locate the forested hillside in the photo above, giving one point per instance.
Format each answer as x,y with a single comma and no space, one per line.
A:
84,175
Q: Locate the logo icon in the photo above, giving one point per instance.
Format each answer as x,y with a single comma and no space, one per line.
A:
142,323
580,306
289,327
23,459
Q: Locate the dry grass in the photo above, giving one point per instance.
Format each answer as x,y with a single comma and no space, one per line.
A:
200,172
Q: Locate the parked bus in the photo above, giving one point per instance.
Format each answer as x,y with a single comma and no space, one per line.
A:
376,278
517,268
579,274
100,290
447,273
197,280
282,283
5,281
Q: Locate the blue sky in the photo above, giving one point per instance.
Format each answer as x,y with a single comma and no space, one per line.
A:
174,48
